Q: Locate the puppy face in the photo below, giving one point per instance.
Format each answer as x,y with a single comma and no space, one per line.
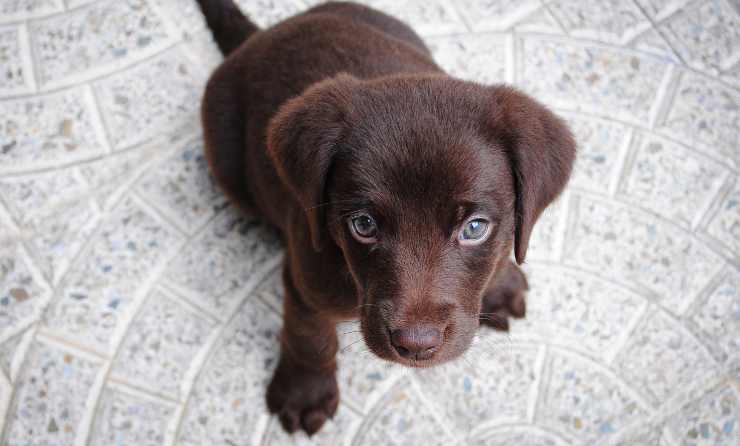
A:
426,183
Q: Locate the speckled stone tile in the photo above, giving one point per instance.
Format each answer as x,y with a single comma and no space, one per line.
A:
42,131
124,419
577,311
544,242
660,9
495,15
583,77
643,435
493,384
724,223
661,359
361,382
718,320
431,17
584,403
611,21
476,57
706,112
14,75
269,12
227,402
24,9
507,436
125,250
95,38
630,246
23,293
401,418
713,419
157,353
671,180
707,35
169,88
237,247
601,143
50,398
181,187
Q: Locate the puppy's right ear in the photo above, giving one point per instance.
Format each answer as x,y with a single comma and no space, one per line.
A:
302,139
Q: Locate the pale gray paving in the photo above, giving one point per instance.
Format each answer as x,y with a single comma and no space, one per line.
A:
137,307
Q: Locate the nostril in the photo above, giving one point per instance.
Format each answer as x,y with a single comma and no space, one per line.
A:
417,342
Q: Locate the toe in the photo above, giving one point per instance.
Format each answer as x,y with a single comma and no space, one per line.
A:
289,420
312,420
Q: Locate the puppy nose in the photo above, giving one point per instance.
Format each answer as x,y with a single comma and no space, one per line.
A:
417,343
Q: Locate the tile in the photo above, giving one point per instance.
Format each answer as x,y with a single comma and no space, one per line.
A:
547,232
718,320
611,21
402,419
217,265
15,10
584,402
577,311
181,186
492,386
268,12
148,99
706,113
227,402
601,143
160,345
660,9
429,18
707,35
94,39
662,358
671,180
123,419
633,249
15,77
271,290
652,42
110,177
362,377
724,222
56,214
23,294
129,246
50,397
495,15
582,77
42,131
713,419
475,57
644,434
506,436
540,21
12,351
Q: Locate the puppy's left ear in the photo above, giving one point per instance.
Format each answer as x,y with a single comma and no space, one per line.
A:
541,151
302,139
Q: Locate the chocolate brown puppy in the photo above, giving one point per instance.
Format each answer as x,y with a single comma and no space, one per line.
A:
400,191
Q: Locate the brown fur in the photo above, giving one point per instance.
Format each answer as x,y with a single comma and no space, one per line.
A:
342,109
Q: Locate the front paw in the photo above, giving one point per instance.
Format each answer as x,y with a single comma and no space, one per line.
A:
302,398
505,298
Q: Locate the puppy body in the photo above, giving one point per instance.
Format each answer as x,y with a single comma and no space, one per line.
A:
341,114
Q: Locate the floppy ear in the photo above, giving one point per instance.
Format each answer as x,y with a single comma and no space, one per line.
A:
302,140
541,151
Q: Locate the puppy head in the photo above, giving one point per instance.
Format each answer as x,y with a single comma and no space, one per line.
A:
425,183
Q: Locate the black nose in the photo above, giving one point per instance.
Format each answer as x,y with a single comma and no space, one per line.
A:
417,343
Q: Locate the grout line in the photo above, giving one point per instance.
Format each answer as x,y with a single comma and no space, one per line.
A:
664,97
536,389
27,58
625,161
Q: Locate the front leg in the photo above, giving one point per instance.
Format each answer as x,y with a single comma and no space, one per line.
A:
303,392
505,297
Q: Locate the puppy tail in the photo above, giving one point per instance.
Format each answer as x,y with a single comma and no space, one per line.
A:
229,26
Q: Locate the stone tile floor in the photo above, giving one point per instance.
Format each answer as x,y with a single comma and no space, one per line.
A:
137,308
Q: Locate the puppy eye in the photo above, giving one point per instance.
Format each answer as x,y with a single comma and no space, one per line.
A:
475,231
363,228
